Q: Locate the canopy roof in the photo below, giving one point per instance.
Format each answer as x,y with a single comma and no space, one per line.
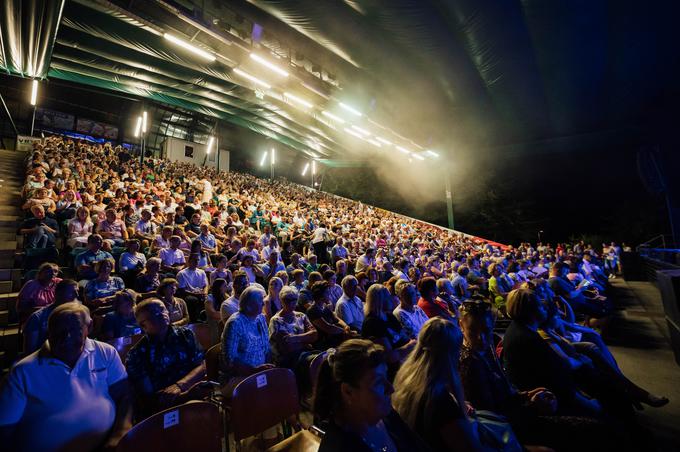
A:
426,74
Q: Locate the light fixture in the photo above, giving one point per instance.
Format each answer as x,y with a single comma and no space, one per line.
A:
431,153
263,159
193,49
211,141
144,119
375,143
333,117
405,151
418,156
138,128
360,130
273,156
271,66
354,133
296,99
255,80
34,92
304,171
350,109
384,141
313,167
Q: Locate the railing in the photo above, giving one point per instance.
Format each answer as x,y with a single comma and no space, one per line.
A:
659,259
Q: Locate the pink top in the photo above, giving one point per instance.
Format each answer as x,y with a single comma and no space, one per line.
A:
35,295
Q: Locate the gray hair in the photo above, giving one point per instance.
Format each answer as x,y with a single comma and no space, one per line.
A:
249,294
346,280
70,309
288,291
401,286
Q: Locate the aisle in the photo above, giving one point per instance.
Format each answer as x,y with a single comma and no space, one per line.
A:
639,343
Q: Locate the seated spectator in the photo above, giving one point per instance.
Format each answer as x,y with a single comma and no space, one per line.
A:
40,197
50,396
365,261
219,292
523,347
382,327
148,280
172,259
121,322
35,328
166,362
291,334
204,262
331,329
193,286
145,229
245,341
352,403
230,306
221,271
101,290
162,240
249,268
176,307
39,292
447,295
298,280
408,313
428,394
79,228
312,265
86,260
39,232
498,287
349,308
113,229
296,264
272,266
461,287
131,262
338,251
305,298
429,301
334,290
574,295
272,302
66,206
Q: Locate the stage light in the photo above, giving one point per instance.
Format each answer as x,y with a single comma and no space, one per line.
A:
333,117
384,141
273,156
405,151
304,171
138,128
296,99
360,130
211,141
34,92
271,66
354,133
350,109
418,156
264,158
144,119
431,153
255,80
185,45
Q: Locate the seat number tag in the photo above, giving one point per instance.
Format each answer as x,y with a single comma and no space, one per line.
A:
170,418
261,381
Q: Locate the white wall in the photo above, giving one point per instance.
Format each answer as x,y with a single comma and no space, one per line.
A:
176,150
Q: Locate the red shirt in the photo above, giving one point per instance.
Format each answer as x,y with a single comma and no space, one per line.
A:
438,308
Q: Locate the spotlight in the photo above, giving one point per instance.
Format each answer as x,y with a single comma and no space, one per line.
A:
263,159
193,49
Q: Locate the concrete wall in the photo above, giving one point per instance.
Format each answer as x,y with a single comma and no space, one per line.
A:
185,151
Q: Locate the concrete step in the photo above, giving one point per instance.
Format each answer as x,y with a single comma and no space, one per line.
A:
6,286
8,274
7,260
4,318
9,340
8,245
8,236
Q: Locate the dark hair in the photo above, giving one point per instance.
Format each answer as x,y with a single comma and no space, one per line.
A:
328,274
62,286
318,289
314,277
347,364
427,285
218,297
522,305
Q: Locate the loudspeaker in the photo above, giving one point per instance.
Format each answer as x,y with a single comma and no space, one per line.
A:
669,285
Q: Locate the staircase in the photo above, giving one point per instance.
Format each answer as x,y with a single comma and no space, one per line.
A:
12,171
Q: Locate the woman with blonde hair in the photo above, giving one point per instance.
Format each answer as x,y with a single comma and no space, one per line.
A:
381,327
428,393
79,228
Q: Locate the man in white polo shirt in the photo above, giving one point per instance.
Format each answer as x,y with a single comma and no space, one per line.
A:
349,308
71,394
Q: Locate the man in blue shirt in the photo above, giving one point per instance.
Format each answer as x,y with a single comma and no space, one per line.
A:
85,261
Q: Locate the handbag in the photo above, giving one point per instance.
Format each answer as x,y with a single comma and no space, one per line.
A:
494,431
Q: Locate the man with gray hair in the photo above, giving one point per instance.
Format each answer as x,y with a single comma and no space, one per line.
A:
349,308
71,394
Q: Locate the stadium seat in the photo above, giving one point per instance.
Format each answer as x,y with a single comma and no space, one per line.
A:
212,362
202,333
262,401
191,426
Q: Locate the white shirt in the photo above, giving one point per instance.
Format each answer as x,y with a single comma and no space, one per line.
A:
53,405
171,257
318,235
228,308
350,311
411,322
192,280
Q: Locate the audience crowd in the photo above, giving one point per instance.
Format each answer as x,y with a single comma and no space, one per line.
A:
431,340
